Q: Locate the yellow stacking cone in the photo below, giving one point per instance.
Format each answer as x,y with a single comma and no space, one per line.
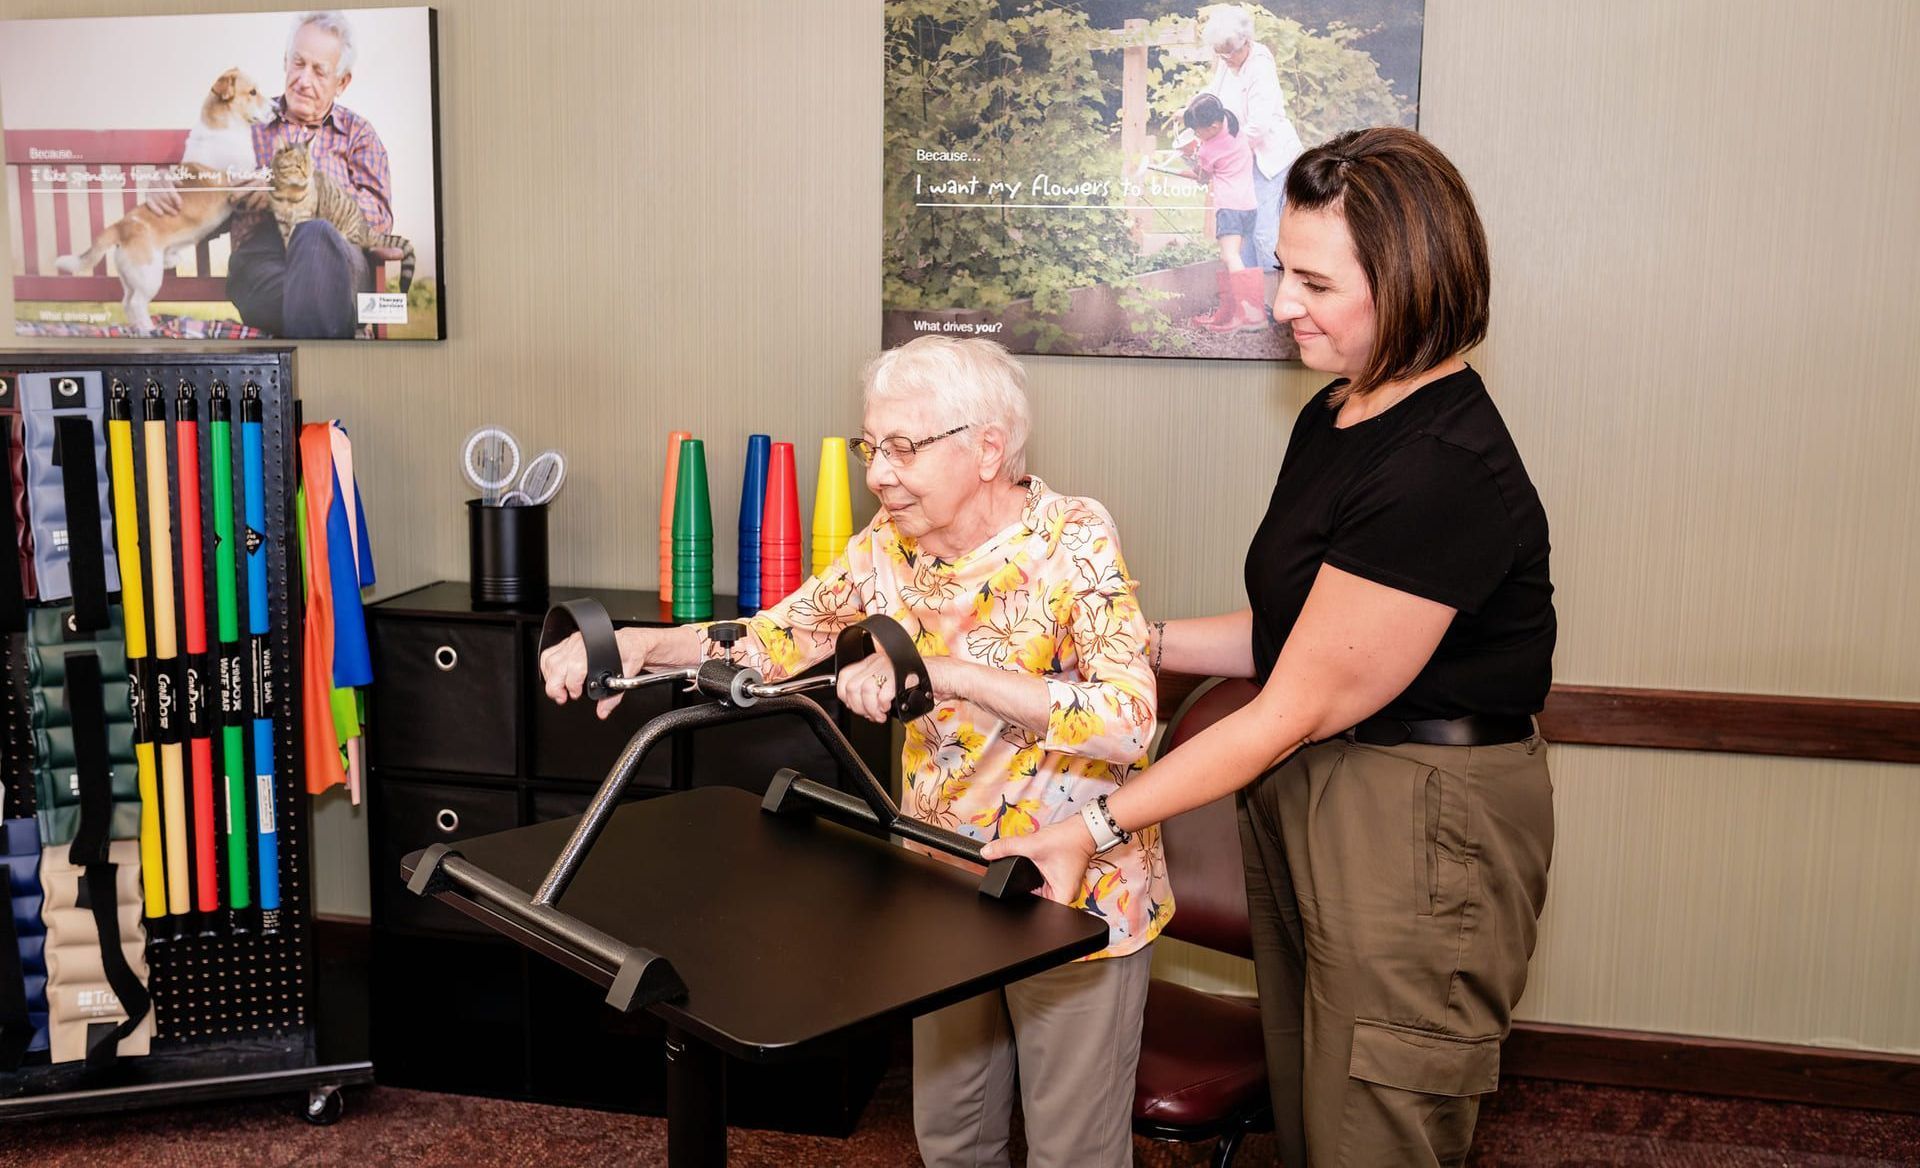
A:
832,505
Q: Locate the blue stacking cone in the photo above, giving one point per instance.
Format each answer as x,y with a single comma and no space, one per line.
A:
753,501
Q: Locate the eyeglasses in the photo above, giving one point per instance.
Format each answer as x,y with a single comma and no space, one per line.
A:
899,451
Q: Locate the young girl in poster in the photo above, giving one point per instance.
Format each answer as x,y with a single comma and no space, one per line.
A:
1223,159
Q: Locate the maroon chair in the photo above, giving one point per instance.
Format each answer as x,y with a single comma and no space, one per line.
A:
1203,1067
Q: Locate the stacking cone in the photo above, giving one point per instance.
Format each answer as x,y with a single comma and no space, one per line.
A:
753,502
832,505
780,528
667,488
692,536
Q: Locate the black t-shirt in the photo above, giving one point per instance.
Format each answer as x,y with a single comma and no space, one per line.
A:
1429,498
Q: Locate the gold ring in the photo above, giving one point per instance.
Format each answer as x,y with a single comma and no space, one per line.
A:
879,683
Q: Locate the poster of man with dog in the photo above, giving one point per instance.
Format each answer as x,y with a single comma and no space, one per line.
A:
1106,177
234,176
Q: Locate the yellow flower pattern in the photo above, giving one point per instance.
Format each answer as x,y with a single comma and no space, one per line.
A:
1049,596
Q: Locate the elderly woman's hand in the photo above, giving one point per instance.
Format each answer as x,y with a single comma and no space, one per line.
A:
1061,851
866,688
563,666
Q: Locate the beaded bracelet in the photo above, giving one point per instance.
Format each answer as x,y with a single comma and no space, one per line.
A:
1159,643
1113,825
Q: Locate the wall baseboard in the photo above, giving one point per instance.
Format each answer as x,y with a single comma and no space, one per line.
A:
1714,1066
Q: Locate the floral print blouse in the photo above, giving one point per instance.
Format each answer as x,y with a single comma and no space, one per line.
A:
1049,595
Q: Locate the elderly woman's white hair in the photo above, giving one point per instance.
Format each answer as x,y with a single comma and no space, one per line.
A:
1228,28
971,382
331,20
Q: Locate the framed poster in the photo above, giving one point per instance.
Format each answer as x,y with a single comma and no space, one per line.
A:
1105,178
233,176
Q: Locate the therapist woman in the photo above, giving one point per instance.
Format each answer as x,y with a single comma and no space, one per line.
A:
1396,815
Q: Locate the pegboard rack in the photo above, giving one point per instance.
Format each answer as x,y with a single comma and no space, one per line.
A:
236,1004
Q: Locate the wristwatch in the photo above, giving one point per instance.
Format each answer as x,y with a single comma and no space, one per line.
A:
1102,826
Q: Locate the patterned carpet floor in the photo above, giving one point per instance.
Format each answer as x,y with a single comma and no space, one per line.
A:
1529,1122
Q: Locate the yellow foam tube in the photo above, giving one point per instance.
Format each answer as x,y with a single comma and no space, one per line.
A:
126,539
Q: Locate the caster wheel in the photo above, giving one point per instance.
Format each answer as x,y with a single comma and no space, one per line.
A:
324,1105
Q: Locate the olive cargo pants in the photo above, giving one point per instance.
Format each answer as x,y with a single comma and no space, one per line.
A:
1394,895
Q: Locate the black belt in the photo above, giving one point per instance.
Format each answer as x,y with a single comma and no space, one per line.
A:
1472,730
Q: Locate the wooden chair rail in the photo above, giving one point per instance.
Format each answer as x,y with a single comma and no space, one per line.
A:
1668,719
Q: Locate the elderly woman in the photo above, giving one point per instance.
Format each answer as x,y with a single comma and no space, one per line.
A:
1397,819
1248,83
1035,649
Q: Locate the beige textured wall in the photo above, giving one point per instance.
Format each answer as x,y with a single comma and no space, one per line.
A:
1704,340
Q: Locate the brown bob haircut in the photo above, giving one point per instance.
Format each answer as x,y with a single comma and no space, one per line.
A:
1418,238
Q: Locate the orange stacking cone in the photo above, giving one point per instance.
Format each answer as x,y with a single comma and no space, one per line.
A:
667,487
832,505
780,528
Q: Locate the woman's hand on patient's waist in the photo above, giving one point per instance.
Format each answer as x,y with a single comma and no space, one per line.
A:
1061,851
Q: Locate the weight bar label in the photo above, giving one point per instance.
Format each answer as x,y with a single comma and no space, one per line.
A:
262,678
232,689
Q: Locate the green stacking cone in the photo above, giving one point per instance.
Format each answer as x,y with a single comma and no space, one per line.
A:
692,536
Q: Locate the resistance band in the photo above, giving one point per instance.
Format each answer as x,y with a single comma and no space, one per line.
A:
252,414
233,750
193,588
166,652
126,534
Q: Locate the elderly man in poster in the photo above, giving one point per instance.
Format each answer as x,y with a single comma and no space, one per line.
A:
306,287
1248,83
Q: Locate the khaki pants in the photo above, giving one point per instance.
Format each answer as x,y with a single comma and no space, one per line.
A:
1074,1035
1394,894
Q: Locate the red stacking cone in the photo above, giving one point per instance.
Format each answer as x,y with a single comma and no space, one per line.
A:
780,546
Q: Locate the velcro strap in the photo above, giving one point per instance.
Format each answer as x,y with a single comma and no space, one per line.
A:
86,558
912,696
13,605
589,618
86,708
103,1044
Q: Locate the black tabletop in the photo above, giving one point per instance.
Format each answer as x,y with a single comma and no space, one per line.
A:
787,930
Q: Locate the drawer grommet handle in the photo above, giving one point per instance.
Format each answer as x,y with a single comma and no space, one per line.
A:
447,820
446,658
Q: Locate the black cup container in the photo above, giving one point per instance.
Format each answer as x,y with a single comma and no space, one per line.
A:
507,553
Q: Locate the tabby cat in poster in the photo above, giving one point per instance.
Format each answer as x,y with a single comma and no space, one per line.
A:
300,192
